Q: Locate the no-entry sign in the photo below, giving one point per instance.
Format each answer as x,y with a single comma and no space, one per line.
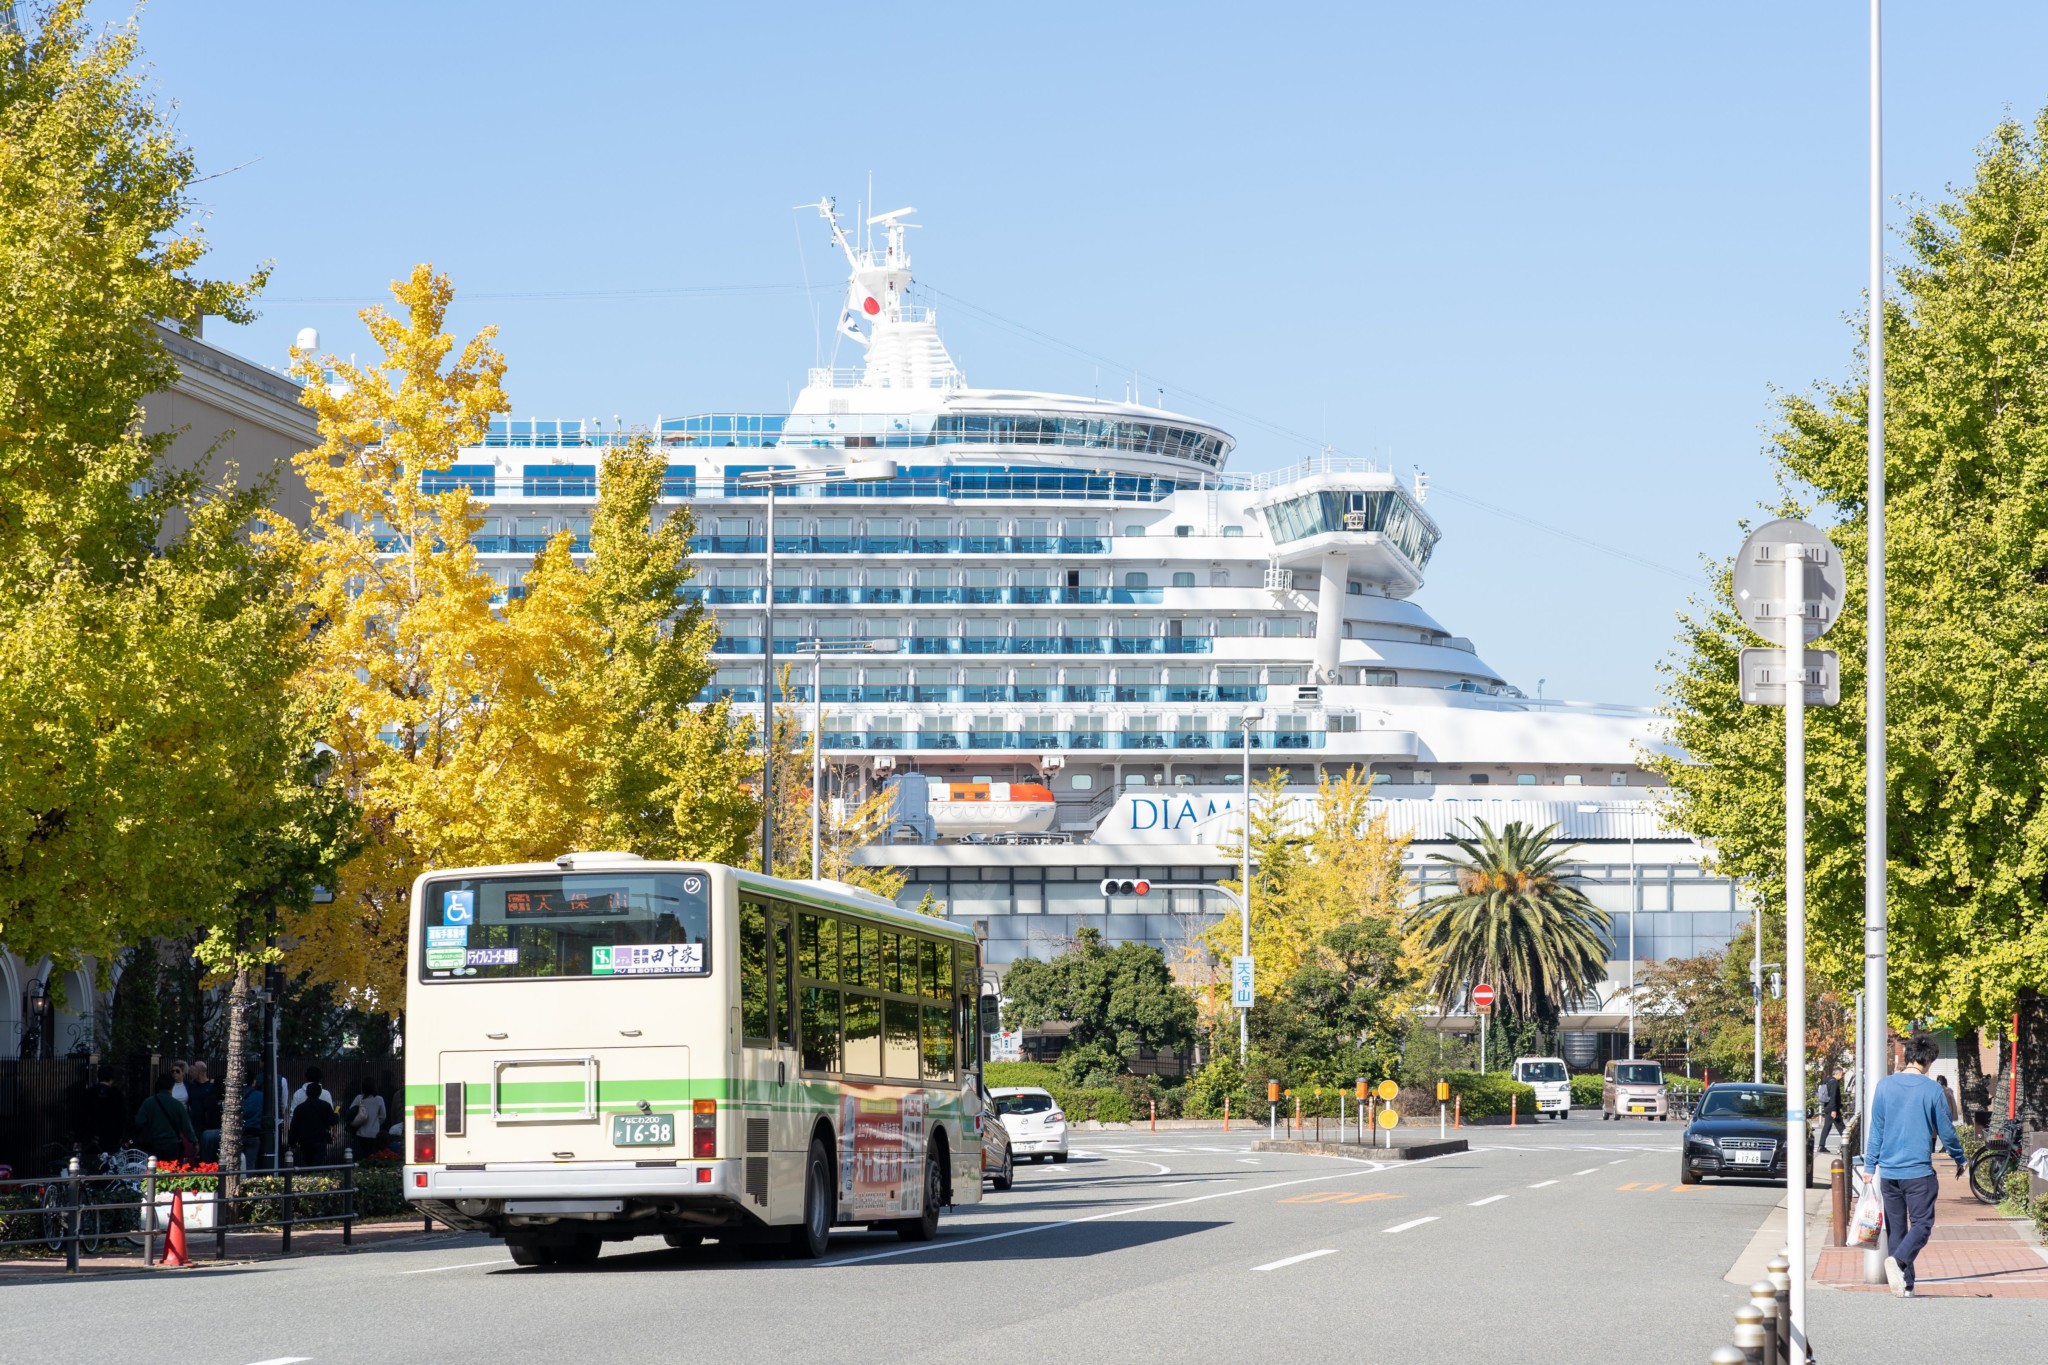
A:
1482,996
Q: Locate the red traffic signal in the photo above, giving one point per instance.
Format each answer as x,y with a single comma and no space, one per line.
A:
1112,886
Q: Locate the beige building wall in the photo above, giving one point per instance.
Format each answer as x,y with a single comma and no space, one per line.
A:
250,413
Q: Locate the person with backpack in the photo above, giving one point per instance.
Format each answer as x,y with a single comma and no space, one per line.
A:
164,1127
1908,1115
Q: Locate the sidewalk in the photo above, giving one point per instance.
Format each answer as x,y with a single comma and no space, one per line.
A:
1975,1253
244,1247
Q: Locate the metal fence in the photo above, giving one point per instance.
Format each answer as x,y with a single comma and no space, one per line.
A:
126,1207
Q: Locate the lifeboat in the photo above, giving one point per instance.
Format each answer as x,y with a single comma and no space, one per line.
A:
964,808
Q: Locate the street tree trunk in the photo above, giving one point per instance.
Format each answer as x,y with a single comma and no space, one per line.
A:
236,1080
2033,1059
1974,1090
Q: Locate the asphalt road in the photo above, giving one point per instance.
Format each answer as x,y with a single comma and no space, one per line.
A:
1558,1243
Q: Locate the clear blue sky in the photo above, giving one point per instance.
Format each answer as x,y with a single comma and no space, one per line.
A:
1558,255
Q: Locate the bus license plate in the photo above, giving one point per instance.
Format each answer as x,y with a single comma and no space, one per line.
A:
643,1130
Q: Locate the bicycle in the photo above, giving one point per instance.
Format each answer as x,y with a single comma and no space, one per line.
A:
105,1204
1999,1157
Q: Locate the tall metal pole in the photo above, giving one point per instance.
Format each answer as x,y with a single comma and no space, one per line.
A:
1244,904
1876,1056
1635,894
1756,995
1798,1138
817,752
768,688
1876,1052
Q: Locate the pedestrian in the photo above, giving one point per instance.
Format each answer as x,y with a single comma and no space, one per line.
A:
165,1127
1907,1116
253,1111
364,1119
203,1103
312,1129
179,1092
314,1077
1955,1107
1829,1096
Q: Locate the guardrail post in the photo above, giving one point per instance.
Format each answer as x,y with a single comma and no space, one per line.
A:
348,1198
285,1201
1725,1355
1749,1334
220,1208
1778,1270
1765,1301
148,1211
71,1178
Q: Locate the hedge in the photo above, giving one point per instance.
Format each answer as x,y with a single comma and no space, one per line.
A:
1586,1091
1489,1096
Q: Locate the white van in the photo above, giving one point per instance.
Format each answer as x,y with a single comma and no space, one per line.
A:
1551,1081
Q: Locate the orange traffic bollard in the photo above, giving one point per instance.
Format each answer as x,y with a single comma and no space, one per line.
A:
1226,1113
1513,1100
1458,1111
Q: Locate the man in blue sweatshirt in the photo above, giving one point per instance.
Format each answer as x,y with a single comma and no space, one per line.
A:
1907,1114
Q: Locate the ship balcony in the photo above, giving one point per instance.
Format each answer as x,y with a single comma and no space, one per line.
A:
896,597
902,545
996,644
1090,694
1045,741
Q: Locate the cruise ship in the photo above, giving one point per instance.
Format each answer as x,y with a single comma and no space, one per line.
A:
1054,622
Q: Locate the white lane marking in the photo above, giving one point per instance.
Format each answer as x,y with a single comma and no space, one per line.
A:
284,1360
1490,1199
1617,1161
1412,1223
1295,1260
1131,1160
1250,1160
1369,1168
1588,1171
1541,1183
430,1270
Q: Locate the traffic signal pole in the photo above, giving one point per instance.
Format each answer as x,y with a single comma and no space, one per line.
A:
1116,886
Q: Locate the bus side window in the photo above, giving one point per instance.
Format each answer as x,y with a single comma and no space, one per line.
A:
782,981
757,1023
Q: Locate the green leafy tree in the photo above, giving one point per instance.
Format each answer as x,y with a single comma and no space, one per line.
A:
1339,1016
1966,462
1118,1000
143,641
1515,920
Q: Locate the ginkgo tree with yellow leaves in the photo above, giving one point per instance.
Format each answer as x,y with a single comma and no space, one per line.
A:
470,729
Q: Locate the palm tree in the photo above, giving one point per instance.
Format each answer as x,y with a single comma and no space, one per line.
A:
1514,922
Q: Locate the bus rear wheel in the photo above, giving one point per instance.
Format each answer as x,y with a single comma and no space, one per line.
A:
926,1226
808,1239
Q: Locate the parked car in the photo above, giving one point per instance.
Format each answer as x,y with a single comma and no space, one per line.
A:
1633,1089
998,1163
1738,1130
1037,1128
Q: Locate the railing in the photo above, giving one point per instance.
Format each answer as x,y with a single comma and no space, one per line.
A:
902,545
888,741
928,646
74,1214
970,693
882,596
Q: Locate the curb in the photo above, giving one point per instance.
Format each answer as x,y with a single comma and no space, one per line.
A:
1408,1151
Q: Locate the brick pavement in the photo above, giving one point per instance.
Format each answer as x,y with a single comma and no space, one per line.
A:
1974,1253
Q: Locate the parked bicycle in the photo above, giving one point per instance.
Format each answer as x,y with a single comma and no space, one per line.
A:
103,1205
1997,1159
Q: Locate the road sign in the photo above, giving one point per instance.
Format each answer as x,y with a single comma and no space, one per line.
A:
1760,580
1764,680
1482,996
1241,978
1388,1089
1388,1118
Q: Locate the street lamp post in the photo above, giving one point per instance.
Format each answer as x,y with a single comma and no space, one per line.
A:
1251,717
818,649
768,480
1635,895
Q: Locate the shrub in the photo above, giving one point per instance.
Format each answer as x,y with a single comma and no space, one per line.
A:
1586,1092
1489,1096
1202,1096
1041,1074
1110,1105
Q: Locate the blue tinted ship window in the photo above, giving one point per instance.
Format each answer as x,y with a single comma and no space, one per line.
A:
679,481
479,479
561,480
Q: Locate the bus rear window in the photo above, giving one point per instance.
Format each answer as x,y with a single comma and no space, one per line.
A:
590,924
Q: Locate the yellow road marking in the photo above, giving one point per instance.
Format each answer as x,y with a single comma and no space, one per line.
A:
1658,1186
1631,1185
1318,1197
1366,1198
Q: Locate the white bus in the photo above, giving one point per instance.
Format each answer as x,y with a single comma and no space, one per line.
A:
604,1048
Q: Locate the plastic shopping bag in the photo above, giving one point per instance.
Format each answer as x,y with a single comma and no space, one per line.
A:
1868,1219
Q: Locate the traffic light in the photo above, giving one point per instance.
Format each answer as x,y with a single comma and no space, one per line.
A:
1111,886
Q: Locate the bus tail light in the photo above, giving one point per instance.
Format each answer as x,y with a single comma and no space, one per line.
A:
704,1129
423,1134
